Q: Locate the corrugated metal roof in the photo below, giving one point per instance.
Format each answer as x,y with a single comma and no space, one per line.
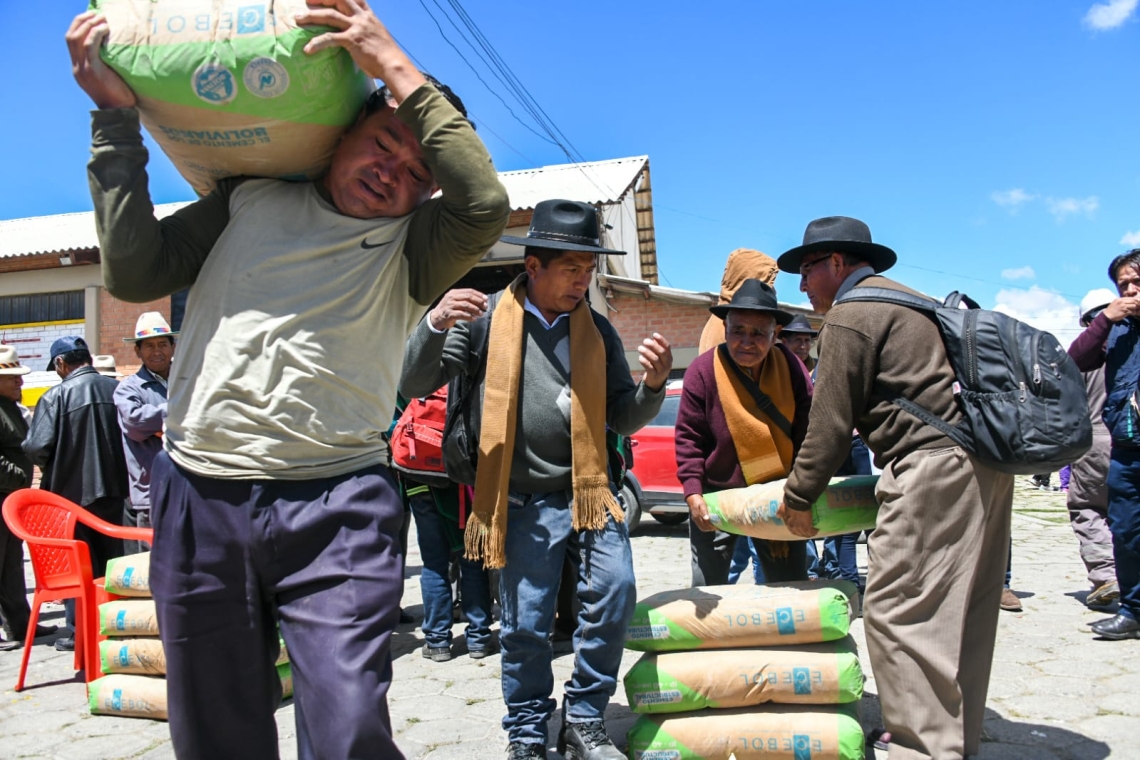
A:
59,232
592,182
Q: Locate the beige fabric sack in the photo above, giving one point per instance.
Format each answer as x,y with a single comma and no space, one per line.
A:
137,656
128,696
847,505
128,617
129,575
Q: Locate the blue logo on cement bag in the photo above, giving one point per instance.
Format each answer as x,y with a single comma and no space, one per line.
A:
214,84
251,19
801,744
124,658
785,622
127,577
265,78
121,620
117,699
801,680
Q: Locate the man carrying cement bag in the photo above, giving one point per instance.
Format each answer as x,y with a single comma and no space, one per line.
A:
271,498
743,415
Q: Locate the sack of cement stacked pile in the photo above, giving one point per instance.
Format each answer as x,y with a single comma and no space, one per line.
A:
771,732
128,617
129,575
809,674
848,505
137,656
727,617
137,696
225,88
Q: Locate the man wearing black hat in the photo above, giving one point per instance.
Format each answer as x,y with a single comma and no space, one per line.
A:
742,417
938,552
554,377
75,440
798,335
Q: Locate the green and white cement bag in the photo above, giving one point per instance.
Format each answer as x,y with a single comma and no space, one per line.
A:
810,674
128,576
848,505
225,88
128,696
727,617
770,732
136,656
128,617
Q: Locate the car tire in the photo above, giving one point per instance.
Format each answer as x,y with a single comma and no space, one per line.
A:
670,518
632,508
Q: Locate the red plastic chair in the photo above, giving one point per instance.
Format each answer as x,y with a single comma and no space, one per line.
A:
62,565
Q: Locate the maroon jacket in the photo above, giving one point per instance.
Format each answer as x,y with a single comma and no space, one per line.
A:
706,455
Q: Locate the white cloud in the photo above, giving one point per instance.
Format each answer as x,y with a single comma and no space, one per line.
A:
1109,15
1011,199
1061,208
1021,273
1131,239
1042,309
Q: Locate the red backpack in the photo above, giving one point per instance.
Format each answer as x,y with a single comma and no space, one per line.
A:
417,440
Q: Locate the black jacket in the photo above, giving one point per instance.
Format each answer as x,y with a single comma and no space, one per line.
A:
15,467
76,441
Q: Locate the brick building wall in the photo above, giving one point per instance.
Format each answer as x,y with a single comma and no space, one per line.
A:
636,318
117,321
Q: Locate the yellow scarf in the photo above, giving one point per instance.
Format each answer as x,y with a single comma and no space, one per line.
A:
486,534
765,453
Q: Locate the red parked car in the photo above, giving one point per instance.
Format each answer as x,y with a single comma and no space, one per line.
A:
651,484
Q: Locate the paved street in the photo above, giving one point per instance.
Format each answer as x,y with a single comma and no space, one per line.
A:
1056,693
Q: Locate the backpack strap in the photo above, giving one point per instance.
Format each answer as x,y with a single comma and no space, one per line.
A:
888,295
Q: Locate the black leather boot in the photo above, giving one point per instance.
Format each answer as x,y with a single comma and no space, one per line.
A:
586,741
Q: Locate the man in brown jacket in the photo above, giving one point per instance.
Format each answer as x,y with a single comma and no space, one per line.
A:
938,552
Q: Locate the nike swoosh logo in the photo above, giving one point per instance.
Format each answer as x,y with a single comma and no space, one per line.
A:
368,246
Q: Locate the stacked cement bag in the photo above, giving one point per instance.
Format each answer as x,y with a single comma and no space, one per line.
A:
132,656
745,672
847,506
225,89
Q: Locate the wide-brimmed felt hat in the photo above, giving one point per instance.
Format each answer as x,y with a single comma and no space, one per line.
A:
563,226
754,295
62,346
838,234
104,364
150,324
10,362
799,325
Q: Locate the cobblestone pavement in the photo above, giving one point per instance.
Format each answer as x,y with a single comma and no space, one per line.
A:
1057,693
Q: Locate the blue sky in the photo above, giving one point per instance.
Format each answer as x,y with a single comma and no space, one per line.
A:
992,144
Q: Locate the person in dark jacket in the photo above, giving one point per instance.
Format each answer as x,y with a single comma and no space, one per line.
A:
76,442
15,473
1112,340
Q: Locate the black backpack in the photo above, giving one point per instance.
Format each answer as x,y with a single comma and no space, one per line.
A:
1024,401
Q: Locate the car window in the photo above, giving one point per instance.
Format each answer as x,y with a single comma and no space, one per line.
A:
667,417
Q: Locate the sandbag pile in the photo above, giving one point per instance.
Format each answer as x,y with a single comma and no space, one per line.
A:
225,88
745,672
132,657
848,505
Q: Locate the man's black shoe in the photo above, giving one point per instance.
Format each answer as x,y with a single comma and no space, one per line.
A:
437,654
530,751
1117,628
66,644
586,741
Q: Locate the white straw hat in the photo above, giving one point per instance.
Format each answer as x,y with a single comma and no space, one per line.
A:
104,364
150,324
10,362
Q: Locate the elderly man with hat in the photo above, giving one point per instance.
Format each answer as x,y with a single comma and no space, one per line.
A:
75,441
141,404
553,378
938,552
742,417
15,473
798,336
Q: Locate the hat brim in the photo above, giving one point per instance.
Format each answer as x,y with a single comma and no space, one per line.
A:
558,245
145,337
878,256
782,317
799,331
21,370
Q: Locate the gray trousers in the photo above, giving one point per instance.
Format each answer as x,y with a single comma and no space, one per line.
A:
937,559
1091,527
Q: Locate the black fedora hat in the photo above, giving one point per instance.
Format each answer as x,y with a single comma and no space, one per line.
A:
563,226
839,234
754,295
800,325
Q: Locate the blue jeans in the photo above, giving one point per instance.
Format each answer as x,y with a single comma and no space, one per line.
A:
839,552
435,583
1124,522
539,535
745,550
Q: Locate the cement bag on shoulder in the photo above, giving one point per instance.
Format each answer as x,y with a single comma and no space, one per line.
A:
128,617
770,732
225,89
726,617
137,656
285,673
848,505
129,575
128,696
809,674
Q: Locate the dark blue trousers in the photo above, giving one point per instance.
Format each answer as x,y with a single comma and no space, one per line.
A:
1124,522
232,559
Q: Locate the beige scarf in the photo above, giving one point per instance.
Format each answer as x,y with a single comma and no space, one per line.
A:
486,534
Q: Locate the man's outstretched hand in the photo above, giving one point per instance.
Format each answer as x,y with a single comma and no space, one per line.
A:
87,33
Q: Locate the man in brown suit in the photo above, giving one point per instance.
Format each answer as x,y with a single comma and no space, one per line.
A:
938,552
